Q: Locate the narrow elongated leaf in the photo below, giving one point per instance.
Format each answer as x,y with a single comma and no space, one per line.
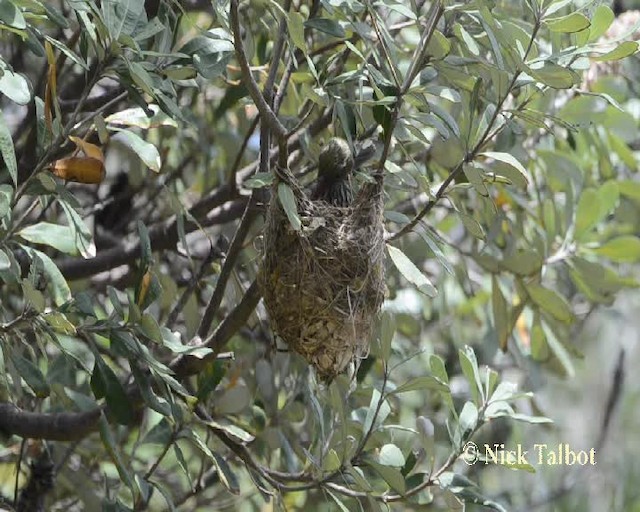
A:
420,383
469,365
574,22
112,449
295,24
600,21
587,213
7,150
623,249
58,285
326,25
550,301
411,272
53,235
104,382
520,177
555,76
31,375
146,151
500,314
622,51
288,202
391,475
476,177
15,87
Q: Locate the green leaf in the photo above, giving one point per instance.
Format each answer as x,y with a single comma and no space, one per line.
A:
468,420
53,235
472,225
11,16
539,346
588,212
439,46
59,323
391,475
31,375
141,78
420,383
7,150
226,475
600,21
410,272
259,180
550,301
476,177
467,39
574,22
384,411
6,195
289,204
326,25
391,455
160,434
112,449
137,117
469,365
295,24
83,238
500,314
623,249
146,151
387,332
123,17
104,382
5,262
523,263
534,420
620,52
554,76
15,87
338,501
33,296
64,49
511,163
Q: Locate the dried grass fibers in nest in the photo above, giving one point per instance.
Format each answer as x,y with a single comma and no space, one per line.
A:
324,284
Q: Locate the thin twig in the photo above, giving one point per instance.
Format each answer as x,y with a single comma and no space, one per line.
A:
240,234
265,111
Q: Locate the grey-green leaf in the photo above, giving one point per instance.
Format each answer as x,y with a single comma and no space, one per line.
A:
411,273
289,204
53,235
7,150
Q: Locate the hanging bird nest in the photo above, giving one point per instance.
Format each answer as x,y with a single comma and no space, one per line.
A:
323,284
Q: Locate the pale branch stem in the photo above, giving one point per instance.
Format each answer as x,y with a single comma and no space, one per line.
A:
433,16
230,260
193,284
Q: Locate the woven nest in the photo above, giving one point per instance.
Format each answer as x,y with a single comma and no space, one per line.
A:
324,284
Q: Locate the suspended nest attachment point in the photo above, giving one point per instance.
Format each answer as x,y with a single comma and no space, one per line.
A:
323,284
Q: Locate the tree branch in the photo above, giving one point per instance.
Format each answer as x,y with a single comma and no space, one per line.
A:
263,107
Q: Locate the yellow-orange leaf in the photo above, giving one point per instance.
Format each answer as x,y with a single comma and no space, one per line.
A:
144,287
80,169
523,331
91,150
51,88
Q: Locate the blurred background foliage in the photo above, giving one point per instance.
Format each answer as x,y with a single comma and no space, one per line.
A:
132,197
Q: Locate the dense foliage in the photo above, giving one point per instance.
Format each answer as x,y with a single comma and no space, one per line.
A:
139,140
